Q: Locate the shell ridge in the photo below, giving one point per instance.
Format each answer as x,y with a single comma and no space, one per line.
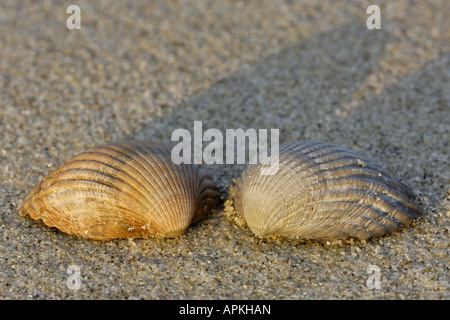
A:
88,190
54,215
182,188
330,222
313,147
208,195
120,190
380,189
284,178
176,186
150,174
130,158
323,191
368,168
104,183
235,193
109,217
348,227
331,206
387,207
134,179
278,220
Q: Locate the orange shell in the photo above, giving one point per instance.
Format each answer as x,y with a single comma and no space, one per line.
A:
123,190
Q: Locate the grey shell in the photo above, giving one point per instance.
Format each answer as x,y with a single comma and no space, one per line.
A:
325,192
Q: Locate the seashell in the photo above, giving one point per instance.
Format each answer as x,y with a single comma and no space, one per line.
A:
123,190
322,191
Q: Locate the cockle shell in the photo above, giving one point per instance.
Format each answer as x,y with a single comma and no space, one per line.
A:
322,191
123,190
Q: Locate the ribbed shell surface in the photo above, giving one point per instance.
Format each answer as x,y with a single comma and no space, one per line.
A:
325,192
123,190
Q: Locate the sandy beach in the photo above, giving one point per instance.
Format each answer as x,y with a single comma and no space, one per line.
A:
141,69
